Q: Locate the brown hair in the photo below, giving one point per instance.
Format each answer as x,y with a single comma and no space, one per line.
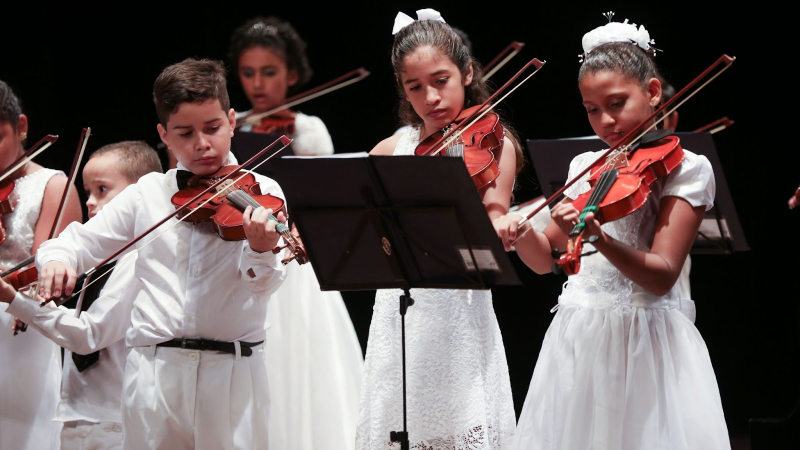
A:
134,158
10,108
442,37
189,81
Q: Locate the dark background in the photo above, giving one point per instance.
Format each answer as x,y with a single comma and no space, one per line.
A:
75,66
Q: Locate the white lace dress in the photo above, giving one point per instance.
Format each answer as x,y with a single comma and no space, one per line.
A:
621,368
314,359
30,364
458,388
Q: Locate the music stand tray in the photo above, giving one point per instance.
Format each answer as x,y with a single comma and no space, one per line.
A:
720,231
378,222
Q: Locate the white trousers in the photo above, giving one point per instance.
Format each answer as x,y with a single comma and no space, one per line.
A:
82,435
178,399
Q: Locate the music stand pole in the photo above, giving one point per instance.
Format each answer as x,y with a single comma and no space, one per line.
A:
402,436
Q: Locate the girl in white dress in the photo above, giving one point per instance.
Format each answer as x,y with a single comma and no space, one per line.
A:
30,367
622,365
314,359
458,389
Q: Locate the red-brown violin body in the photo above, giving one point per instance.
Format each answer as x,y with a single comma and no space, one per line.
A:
224,207
281,122
631,187
6,206
476,144
620,185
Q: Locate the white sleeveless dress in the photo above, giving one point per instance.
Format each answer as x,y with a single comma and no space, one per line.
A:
458,387
621,368
314,359
30,364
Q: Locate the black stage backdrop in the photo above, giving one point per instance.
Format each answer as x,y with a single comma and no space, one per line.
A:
80,65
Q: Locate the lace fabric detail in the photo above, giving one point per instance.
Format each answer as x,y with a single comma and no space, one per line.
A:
458,388
21,223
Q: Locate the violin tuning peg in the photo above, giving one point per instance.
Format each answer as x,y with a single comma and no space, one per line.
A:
556,253
556,269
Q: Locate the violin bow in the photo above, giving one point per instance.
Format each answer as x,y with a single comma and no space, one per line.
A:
85,133
639,130
81,278
337,83
495,64
715,126
453,134
29,154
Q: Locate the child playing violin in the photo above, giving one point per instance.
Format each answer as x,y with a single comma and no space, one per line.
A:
94,362
458,387
30,371
621,366
195,376
314,359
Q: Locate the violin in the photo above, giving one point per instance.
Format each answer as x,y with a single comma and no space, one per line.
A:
483,139
6,206
279,123
484,135
621,176
620,185
225,204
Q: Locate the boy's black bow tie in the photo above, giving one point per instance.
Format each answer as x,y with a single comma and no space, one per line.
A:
182,177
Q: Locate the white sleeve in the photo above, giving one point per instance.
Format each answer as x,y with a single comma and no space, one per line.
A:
311,137
102,324
83,245
693,180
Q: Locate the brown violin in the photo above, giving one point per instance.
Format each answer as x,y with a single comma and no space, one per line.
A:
279,123
225,204
6,206
476,145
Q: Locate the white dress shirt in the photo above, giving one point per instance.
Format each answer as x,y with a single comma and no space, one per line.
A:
93,395
194,284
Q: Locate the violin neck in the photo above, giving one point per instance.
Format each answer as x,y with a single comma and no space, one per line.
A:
242,200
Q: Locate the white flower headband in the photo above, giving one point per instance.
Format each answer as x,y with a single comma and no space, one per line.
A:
403,20
616,32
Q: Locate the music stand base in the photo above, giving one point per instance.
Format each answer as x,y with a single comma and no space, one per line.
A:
401,437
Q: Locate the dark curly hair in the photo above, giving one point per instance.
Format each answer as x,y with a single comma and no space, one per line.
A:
275,34
10,108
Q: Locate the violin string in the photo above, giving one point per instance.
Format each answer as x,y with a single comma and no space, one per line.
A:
174,224
450,139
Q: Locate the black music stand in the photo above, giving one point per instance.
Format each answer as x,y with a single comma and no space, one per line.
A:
377,222
720,232
246,144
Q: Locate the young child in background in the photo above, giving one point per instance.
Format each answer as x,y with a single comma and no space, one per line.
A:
314,359
195,375
94,362
30,372
458,389
621,366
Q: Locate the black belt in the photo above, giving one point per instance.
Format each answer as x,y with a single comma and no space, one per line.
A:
206,344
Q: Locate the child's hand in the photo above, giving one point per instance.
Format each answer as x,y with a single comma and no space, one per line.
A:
260,229
506,228
56,278
566,216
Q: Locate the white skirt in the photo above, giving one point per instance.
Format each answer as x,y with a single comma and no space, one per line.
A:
314,363
622,378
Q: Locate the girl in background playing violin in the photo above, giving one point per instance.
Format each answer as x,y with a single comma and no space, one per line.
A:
30,364
314,358
458,388
621,366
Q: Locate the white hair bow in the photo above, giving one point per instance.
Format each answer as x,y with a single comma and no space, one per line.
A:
403,20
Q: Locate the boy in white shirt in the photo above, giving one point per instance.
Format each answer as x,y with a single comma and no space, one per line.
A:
94,338
195,376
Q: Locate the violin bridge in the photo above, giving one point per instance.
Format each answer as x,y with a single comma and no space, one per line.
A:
617,159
